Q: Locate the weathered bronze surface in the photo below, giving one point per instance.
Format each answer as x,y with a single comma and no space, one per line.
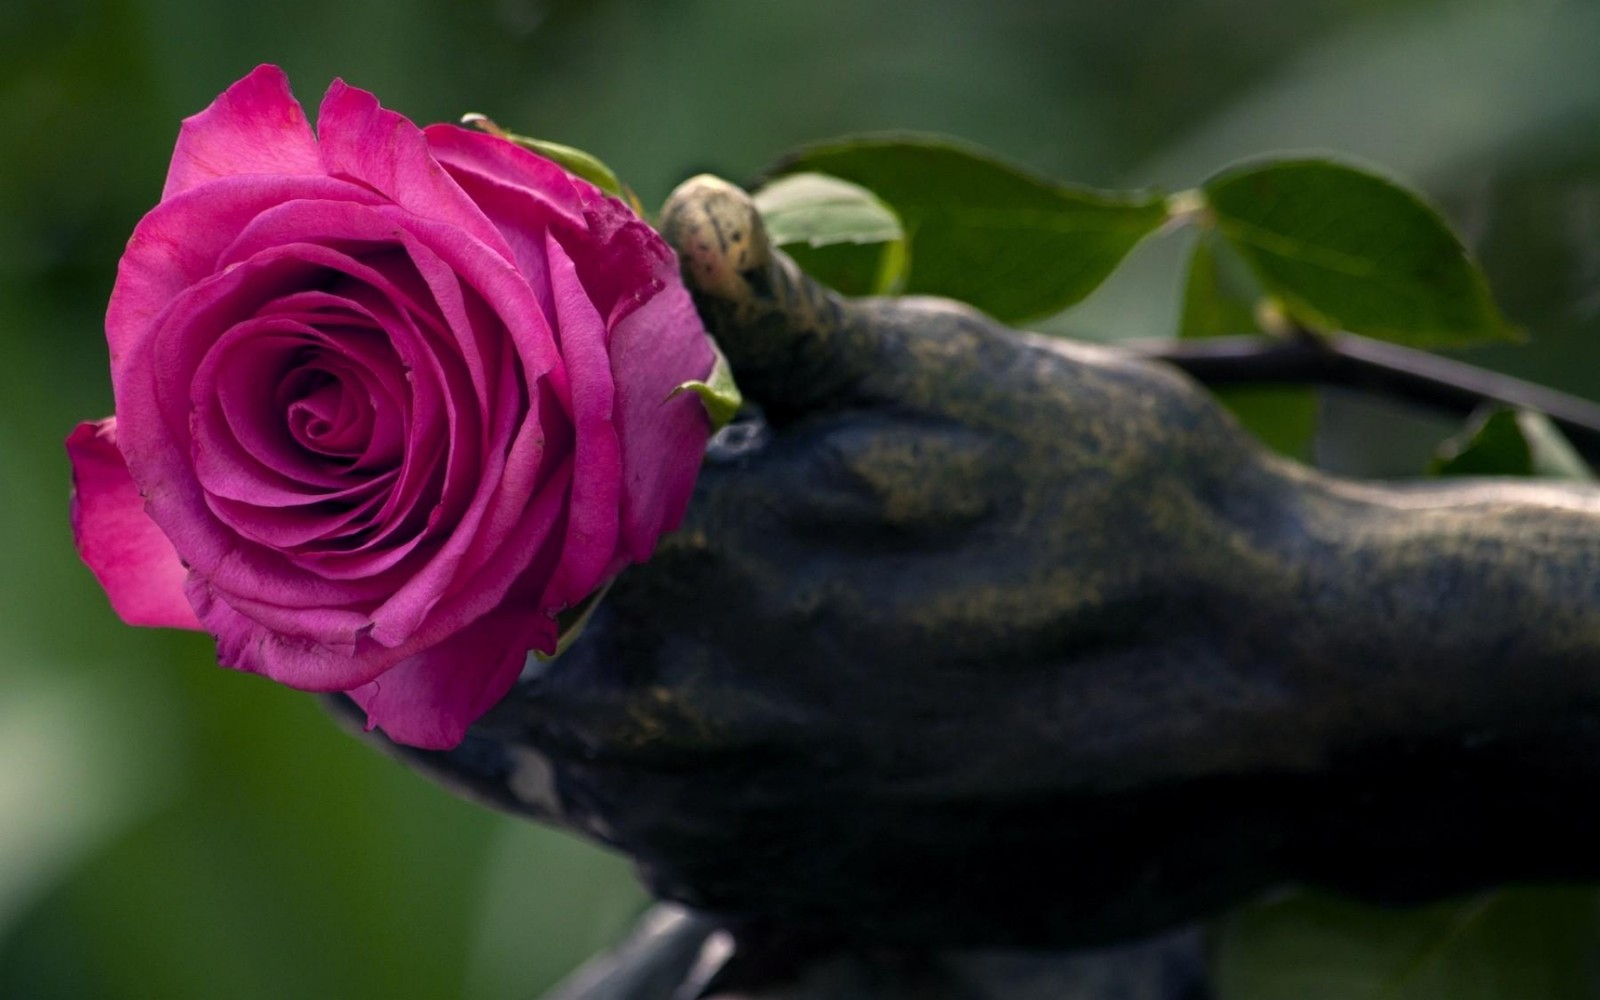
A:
977,638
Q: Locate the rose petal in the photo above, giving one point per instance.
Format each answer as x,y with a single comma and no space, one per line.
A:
653,351
255,127
521,193
501,168
129,555
155,428
656,343
366,142
621,261
455,601
178,244
430,699
486,306
592,518
316,648
311,649
157,407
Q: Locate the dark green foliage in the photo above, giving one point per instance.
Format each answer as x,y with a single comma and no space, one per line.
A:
1515,944
1506,442
1344,249
1220,298
986,232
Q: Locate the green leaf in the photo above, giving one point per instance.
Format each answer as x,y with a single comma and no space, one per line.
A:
1507,442
986,232
1343,249
574,161
838,232
820,211
1220,294
571,623
855,268
1219,299
719,394
1283,419
1514,944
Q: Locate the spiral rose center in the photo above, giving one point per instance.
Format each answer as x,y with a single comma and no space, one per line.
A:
333,412
324,416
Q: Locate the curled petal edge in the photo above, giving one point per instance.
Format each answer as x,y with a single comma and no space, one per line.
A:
130,556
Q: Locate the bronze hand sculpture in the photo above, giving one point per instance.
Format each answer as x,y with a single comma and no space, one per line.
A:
973,638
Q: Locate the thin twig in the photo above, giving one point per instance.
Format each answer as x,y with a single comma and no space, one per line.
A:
1373,366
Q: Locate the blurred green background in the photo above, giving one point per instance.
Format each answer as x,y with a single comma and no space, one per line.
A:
169,829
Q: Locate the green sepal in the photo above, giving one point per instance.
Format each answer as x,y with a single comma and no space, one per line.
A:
571,623
718,392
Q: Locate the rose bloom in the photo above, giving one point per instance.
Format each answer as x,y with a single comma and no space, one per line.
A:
388,400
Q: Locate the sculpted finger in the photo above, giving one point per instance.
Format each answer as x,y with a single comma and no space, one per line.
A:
794,345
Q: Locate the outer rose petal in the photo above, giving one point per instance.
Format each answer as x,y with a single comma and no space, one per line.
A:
129,555
519,190
255,127
301,663
177,245
662,439
430,699
366,142
594,511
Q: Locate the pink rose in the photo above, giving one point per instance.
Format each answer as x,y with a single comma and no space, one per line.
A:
388,400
